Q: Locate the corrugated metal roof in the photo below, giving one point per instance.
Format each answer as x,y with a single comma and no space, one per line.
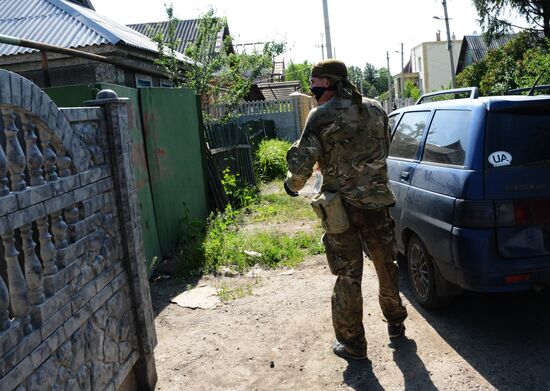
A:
186,32
279,90
479,47
66,24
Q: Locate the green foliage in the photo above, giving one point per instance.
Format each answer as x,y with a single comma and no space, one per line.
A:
411,91
218,76
227,292
224,243
494,14
241,250
515,65
270,160
279,208
240,194
299,72
190,252
373,81
167,46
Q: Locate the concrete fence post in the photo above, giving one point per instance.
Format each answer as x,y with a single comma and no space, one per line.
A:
116,117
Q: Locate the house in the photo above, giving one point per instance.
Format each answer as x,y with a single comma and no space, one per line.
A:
186,32
430,65
73,24
401,78
474,48
279,90
266,87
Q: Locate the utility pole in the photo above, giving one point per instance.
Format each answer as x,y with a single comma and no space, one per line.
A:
389,83
327,30
449,44
402,73
322,46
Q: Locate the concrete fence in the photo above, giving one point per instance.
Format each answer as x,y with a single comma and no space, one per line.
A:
75,307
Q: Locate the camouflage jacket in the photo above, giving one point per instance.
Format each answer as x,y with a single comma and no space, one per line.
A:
351,148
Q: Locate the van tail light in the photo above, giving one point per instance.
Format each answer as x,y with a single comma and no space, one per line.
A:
474,214
516,278
523,212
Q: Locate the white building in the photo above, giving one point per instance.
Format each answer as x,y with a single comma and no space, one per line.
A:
431,61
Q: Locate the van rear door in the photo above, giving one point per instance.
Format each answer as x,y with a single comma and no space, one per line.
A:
517,176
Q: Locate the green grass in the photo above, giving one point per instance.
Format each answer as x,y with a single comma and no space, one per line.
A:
280,208
227,292
226,242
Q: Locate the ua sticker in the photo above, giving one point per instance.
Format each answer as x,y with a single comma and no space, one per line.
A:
500,158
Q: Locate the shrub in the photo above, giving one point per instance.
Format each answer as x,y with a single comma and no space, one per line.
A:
239,193
270,160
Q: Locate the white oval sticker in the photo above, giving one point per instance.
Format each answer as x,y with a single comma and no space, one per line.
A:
500,158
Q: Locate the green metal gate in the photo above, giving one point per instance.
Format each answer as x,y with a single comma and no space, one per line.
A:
175,148
168,156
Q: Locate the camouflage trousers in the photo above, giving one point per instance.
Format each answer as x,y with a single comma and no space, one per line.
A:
372,228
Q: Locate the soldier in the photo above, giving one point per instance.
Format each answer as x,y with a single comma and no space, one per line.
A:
348,137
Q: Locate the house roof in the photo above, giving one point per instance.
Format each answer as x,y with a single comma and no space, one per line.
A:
186,32
66,24
477,48
279,90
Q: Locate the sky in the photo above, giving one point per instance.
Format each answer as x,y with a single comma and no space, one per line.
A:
362,31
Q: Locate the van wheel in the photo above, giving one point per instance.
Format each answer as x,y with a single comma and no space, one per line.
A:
422,276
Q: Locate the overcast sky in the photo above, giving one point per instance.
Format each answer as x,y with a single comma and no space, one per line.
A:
362,30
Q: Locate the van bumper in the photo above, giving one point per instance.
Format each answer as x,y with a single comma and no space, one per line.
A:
479,267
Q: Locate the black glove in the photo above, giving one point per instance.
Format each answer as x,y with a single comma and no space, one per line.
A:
290,192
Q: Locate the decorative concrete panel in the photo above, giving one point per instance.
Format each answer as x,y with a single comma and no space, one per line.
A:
75,310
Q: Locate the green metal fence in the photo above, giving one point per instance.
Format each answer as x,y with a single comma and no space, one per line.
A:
168,156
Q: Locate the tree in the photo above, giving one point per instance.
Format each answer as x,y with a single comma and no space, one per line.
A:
217,76
299,72
515,65
492,15
411,91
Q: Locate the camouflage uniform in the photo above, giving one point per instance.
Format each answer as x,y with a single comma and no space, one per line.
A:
351,145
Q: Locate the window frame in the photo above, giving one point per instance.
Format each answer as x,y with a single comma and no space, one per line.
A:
420,147
427,134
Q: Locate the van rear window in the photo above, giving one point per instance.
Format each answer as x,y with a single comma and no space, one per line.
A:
518,139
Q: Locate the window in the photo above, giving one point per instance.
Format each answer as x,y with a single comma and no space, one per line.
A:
166,83
408,134
143,81
391,122
524,135
447,137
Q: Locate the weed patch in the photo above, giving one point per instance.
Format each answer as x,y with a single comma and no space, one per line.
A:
223,243
270,159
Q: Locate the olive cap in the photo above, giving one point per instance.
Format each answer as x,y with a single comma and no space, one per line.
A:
330,68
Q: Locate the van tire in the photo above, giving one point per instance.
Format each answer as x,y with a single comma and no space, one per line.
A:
422,276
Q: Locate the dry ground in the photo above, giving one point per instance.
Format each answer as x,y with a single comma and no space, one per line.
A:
278,336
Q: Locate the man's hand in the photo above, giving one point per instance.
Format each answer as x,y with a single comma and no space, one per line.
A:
289,191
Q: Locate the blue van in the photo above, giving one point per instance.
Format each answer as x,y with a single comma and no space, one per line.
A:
472,182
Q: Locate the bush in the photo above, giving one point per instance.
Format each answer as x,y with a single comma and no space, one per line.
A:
270,159
239,193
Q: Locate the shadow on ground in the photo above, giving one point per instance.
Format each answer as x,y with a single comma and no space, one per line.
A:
165,285
505,337
359,375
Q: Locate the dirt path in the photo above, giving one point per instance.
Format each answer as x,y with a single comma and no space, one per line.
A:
278,338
